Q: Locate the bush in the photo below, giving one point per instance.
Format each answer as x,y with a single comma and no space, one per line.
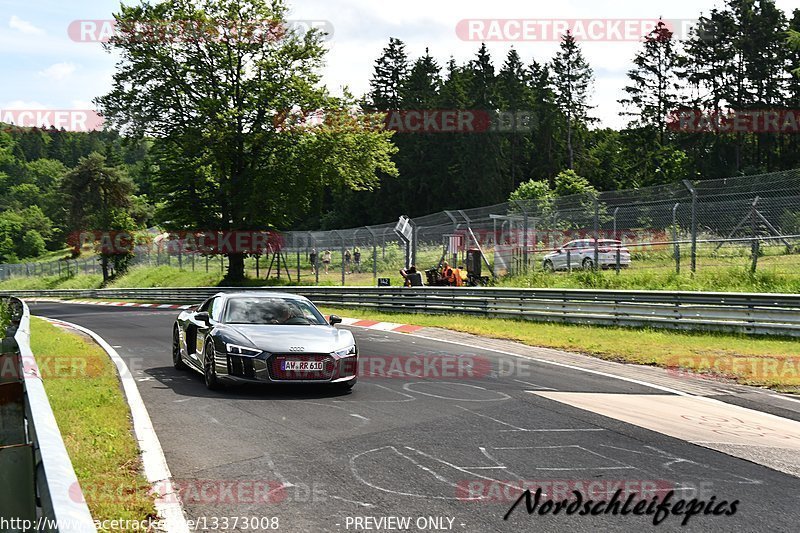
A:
32,244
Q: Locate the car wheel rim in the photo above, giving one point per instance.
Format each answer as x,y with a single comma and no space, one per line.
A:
209,367
176,349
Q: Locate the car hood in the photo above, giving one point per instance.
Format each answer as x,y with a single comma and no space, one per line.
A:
281,339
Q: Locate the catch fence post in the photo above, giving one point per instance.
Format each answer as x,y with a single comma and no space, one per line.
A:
675,243
524,236
692,190
596,234
374,253
755,244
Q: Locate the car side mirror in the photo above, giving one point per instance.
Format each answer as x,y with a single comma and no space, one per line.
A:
203,317
334,319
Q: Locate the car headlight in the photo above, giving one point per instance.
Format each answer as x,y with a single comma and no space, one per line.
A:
235,349
346,352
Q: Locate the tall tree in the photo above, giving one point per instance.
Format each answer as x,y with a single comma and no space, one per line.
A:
389,72
99,196
546,160
572,81
653,91
515,103
216,103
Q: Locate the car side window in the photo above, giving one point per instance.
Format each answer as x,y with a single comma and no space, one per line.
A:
205,306
216,309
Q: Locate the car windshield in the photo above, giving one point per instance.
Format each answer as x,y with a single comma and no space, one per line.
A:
281,311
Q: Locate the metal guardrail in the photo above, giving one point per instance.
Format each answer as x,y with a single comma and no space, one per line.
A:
37,481
750,313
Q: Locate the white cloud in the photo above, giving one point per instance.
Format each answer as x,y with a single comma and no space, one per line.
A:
82,104
58,71
23,26
22,104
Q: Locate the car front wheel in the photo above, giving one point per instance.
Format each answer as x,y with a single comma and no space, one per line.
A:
588,264
177,360
209,369
548,266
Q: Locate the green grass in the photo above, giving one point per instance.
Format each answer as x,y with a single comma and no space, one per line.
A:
64,253
748,360
725,279
94,419
725,270
6,315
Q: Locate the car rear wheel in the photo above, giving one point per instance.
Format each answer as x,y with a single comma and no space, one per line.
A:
209,370
588,264
177,360
548,266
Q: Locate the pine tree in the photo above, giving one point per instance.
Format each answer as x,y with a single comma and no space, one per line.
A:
515,101
652,93
572,81
390,70
422,153
546,160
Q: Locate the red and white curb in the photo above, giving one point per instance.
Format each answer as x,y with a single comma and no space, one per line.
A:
355,322
380,326
128,304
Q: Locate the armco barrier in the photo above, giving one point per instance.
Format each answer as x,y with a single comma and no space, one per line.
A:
760,314
37,481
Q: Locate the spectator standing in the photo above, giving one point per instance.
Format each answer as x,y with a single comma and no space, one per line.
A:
312,257
326,259
357,260
347,259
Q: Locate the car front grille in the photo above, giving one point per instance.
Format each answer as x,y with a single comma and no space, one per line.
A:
325,374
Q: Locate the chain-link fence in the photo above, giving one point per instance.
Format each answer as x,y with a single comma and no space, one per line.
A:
752,222
749,221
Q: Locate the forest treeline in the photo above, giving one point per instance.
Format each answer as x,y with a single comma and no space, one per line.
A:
739,57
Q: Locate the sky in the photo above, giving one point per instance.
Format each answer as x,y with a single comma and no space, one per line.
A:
42,67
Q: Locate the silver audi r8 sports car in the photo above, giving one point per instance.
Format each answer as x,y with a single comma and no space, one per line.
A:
263,337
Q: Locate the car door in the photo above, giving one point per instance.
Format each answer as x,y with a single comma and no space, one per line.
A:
560,260
584,249
201,330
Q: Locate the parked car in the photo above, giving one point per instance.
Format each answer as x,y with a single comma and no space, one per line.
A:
263,337
580,254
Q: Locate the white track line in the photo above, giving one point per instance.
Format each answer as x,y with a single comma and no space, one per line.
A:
155,464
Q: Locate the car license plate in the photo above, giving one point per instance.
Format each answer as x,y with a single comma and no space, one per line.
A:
302,366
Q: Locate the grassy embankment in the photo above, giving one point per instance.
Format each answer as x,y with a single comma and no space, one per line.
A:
759,361
728,270
93,416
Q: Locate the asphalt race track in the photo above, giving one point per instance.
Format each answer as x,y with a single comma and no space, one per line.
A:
424,447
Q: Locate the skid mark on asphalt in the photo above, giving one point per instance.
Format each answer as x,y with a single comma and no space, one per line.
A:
406,397
516,428
380,458
534,385
671,461
499,396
